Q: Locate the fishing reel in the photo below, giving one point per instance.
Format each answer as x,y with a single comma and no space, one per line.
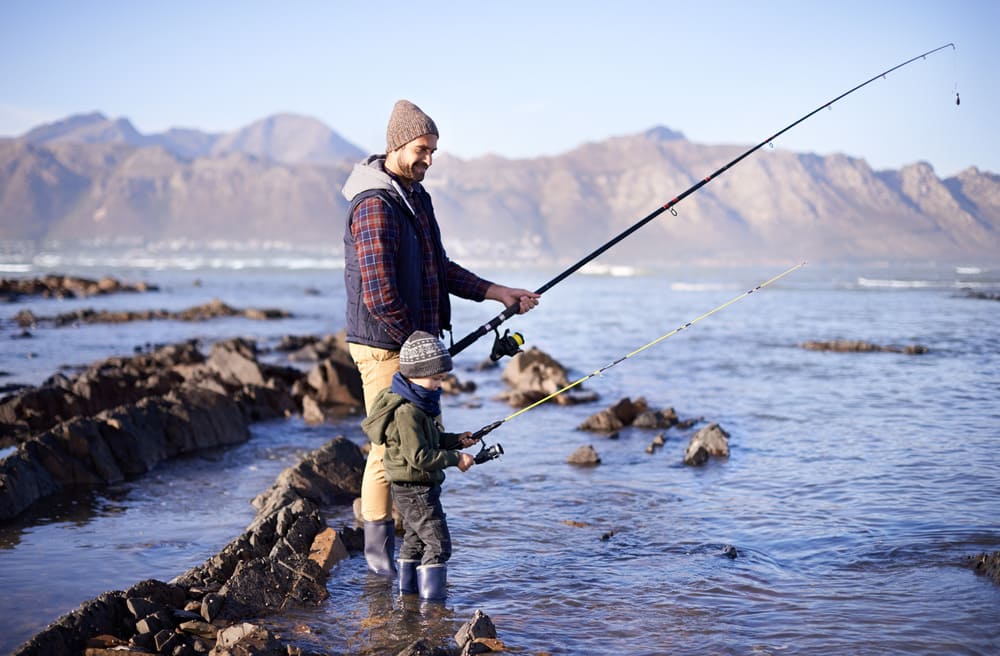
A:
487,453
507,345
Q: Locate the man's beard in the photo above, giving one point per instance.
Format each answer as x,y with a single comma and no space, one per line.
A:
415,171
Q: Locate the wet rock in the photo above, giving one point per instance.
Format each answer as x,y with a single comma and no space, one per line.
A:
336,381
616,417
212,310
248,639
533,375
585,456
711,440
329,474
987,564
480,626
68,635
729,551
859,346
656,443
61,286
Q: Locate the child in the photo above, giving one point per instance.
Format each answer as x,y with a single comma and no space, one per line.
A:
402,418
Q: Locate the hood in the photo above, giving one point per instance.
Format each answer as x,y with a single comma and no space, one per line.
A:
381,415
367,174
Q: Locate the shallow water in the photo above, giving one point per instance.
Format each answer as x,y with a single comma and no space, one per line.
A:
857,483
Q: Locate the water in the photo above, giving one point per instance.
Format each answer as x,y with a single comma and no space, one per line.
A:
857,483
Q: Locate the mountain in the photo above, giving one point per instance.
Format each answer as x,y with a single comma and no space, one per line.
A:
280,178
289,138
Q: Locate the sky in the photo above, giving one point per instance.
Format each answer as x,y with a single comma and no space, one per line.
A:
525,79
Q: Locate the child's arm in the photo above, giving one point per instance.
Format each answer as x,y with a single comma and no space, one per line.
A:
457,440
417,451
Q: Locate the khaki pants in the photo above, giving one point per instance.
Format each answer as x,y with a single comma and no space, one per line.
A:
377,367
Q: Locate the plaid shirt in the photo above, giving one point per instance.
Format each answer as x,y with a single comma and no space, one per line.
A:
376,238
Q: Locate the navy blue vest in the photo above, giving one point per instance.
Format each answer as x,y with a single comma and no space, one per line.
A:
362,327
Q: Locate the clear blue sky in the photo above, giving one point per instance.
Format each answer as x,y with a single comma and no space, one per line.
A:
523,79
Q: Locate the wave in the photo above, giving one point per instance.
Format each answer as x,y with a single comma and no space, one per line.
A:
701,286
899,284
614,270
51,261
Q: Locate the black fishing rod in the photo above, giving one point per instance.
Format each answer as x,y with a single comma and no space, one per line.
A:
488,453
509,344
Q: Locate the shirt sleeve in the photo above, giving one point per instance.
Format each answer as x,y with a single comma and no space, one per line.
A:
465,284
376,240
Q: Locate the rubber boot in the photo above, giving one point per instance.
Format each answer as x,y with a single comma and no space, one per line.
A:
431,581
380,547
408,576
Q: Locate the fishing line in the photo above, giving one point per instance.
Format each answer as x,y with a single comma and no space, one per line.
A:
486,429
510,311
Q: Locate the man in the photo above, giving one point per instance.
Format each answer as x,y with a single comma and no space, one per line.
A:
398,279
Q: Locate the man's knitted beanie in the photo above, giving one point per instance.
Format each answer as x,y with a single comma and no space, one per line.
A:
406,124
423,355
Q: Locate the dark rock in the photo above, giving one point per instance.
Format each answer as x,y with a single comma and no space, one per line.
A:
330,474
859,346
68,635
480,626
987,564
142,608
211,604
584,456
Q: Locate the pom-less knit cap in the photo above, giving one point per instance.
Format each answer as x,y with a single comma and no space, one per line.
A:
423,355
406,124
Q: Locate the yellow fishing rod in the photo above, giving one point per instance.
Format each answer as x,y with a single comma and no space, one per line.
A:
495,451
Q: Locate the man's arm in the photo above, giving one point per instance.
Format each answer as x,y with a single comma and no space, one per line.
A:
465,284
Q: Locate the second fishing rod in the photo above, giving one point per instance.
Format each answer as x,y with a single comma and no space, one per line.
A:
509,344
489,452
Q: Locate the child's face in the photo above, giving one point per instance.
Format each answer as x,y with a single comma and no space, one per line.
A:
431,383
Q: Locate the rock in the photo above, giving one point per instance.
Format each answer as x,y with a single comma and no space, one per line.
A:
329,474
311,412
480,626
987,564
584,456
336,383
859,346
327,549
711,440
211,604
533,375
657,443
627,412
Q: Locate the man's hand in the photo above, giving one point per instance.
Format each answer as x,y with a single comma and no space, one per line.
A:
465,461
465,440
523,298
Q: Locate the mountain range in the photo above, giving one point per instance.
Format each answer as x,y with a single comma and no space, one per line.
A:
89,176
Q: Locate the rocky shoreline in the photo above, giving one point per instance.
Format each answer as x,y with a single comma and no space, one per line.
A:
60,286
120,417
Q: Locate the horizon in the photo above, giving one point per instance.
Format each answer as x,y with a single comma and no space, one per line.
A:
523,80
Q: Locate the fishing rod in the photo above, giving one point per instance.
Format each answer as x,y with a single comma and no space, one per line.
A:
509,344
495,451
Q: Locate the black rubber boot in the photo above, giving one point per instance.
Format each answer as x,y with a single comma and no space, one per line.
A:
408,576
431,581
380,547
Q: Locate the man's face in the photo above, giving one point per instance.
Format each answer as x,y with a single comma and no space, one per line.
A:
412,160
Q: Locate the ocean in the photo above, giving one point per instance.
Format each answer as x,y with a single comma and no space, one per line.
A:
856,486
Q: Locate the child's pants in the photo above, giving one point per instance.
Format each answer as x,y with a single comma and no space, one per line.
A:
427,538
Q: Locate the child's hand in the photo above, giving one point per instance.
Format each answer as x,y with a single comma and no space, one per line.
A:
465,461
465,440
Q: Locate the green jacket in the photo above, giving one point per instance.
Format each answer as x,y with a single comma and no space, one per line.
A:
416,451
